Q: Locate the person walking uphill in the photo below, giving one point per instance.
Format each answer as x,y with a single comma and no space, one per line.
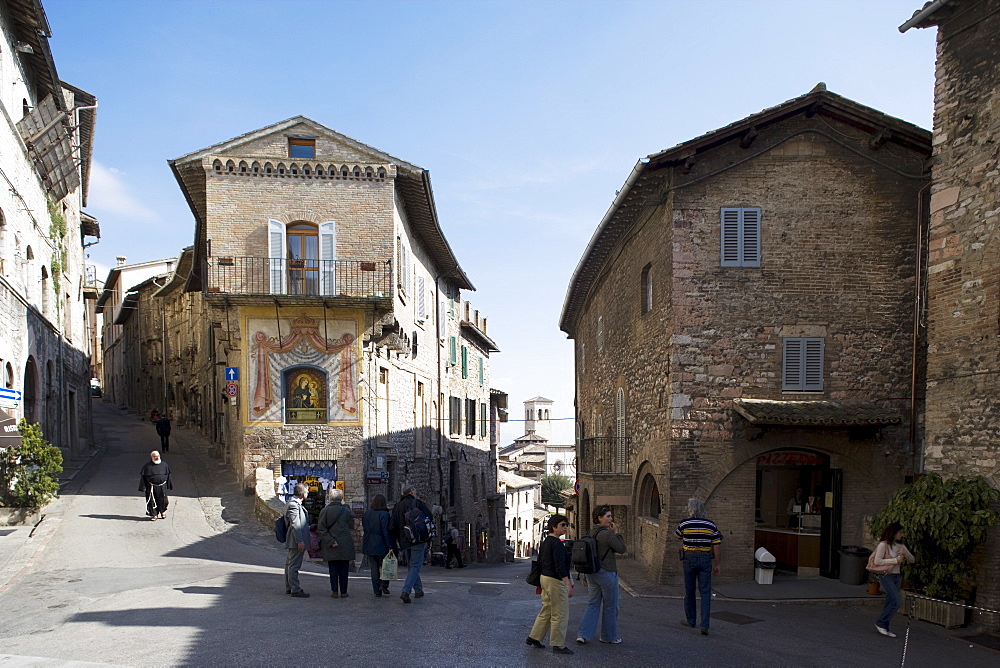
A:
154,481
163,431
296,541
557,589
891,551
334,528
604,593
409,526
377,541
702,543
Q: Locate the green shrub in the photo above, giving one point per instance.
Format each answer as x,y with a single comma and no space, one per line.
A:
29,473
943,521
552,485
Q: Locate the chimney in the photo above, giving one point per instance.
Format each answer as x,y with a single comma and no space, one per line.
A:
121,260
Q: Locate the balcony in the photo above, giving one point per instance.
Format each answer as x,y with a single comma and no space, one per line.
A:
606,454
350,280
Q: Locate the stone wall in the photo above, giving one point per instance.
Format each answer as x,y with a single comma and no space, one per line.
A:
963,285
838,248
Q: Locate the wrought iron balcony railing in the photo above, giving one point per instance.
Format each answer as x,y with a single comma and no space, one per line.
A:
282,276
605,454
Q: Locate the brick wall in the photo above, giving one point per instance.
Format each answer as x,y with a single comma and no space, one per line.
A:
963,416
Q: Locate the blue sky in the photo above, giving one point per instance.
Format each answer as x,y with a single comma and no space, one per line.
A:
529,115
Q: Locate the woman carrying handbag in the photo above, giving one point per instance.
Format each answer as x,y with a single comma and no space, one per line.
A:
890,552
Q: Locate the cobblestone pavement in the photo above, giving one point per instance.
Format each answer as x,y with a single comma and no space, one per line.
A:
99,583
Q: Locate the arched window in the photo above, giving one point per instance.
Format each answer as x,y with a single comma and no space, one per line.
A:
649,498
646,282
30,390
621,445
8,376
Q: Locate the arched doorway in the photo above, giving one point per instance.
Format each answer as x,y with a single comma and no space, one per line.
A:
30,396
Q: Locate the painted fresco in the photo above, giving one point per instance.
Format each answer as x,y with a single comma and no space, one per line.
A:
303,370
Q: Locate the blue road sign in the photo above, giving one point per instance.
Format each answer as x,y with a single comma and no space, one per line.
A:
14,395
232,373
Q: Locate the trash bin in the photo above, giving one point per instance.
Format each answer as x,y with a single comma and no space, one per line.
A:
853,560
763,562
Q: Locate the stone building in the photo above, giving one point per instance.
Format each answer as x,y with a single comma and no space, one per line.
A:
316,328
523,499
743,322
45,152
962,420
533,455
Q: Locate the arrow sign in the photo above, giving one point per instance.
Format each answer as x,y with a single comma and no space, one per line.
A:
14,395
232,373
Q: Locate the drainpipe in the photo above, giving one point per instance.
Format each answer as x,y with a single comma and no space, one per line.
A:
917,306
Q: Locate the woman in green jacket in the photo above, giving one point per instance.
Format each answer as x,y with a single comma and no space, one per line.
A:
334,529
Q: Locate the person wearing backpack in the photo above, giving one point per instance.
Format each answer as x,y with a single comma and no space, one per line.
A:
603,583
334,527
296,540
409,526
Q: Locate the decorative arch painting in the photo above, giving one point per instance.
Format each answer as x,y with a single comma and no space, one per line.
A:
302,368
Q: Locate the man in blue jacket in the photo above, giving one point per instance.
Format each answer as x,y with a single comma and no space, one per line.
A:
413,547
297,521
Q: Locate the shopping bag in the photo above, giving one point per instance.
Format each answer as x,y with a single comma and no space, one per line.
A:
389,567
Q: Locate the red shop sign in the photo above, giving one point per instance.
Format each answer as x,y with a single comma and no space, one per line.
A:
790,458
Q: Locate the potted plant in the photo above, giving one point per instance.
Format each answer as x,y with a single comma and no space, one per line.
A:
943,521
874,587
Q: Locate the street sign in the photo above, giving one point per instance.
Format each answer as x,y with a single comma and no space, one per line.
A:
377,474
8,403
12,395
10,435
232,374
576,487
232,389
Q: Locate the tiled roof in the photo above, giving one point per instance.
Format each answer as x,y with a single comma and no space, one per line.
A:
813,413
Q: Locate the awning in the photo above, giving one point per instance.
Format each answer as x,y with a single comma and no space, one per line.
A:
10,435
813,413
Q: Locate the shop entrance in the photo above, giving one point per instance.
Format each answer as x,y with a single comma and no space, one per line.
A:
798,511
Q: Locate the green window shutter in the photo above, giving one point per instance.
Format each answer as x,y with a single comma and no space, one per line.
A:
480,372
465,362
482,420
452,350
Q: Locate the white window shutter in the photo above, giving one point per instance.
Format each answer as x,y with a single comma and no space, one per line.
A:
421,313
812,380
791,375
327,258
276,255
730,234
750,238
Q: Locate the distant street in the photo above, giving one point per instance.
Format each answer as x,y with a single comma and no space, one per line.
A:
205,587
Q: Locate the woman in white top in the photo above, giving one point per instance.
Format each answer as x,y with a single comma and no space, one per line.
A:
891,551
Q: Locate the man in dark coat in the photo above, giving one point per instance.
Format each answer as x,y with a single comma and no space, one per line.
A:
154,480
413,547
163,429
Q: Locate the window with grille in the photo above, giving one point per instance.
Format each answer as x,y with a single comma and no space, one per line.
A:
802,364
740,237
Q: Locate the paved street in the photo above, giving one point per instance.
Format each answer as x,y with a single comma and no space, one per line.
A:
99,583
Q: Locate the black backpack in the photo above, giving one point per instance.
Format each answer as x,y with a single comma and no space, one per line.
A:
281,529
415,525
585,559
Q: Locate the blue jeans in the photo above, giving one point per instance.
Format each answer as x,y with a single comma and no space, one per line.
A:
415,561
604,597
697,568
890,584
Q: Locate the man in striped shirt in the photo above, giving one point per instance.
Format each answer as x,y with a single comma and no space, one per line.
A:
702,542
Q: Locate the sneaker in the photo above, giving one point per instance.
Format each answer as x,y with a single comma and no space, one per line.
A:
704,632
418,594
561,650
885,632
299,594
531,642
405,597
581,640
609,642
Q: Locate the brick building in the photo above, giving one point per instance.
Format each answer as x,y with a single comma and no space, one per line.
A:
316,328
743,321
46,135
963,285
